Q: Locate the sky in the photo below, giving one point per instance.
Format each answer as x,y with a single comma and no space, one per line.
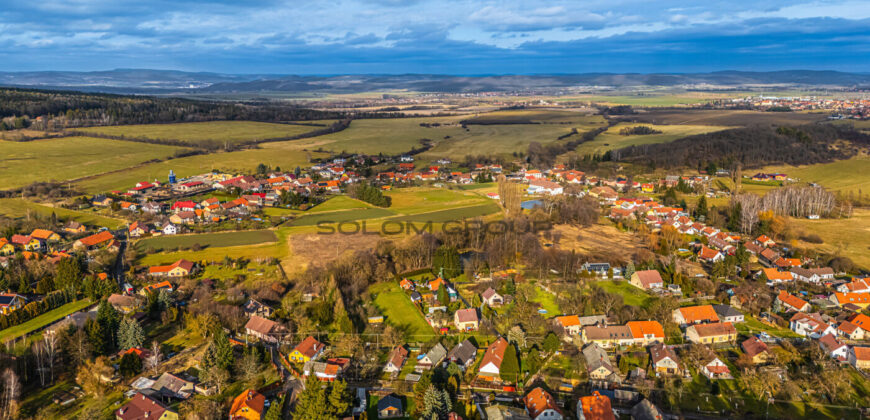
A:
434,36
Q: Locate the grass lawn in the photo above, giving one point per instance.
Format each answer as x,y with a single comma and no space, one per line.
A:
17,208
339,202
69,158
286,155
252,252
754,326
547,302
421,200
850,236
395,305
43,320
215,132
611,139
631,295
459,213
845,175
219,239
342,216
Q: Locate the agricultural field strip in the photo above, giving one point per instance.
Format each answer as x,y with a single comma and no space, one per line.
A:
212,131
17,208
217,239
43,320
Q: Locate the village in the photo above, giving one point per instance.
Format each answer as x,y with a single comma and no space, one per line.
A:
596,364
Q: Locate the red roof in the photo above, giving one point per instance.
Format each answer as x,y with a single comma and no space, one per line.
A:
98,238
141,407
309,347
596,407
185,264
495,353
537,401
250,399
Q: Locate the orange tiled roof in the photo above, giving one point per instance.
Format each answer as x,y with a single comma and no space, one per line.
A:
702,313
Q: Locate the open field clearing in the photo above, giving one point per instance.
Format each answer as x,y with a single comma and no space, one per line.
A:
399,312
241,161
252,252
851,237
725,117
16,207
320,249
67,158
342,216
23,134
525,116
631,295
645,100
421,200
850,175
395,136
219,239
43,320
611,139
601,240
341,202
214,132
449,215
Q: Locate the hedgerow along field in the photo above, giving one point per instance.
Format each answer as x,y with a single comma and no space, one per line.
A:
611,139
214,132
69,158
219,239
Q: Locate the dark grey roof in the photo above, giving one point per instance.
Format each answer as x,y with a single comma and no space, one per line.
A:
390,401
462,352
724,311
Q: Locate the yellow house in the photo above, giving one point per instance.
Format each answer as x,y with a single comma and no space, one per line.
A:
45,235
10,302
249,405
180,268
33,244
307,350
720,332
5,247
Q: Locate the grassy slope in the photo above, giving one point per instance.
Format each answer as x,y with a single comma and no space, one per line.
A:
15,208
395,305
212,131
850,236
43,320
220,239
849,175
69,158
630,294
611,139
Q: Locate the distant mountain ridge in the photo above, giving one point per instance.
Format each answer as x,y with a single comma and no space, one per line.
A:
172,81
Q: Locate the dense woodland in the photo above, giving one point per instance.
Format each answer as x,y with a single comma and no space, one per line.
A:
753,146
61,109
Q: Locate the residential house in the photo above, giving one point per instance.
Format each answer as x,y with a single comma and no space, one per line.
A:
765,241
6,248
715,368
541,405
810,325
791,303
102,201
645,410
327,371
727,313
152,208
855,286
857,327
720,332
664,360
390,407
10,302
308,349
812,275
541,186
94,241
74,227
249,405
639,333
124,303
143,407
463,354
432,358
647,280
157,287
775,276
396,360
594,407
169,229
490,365
646,332
491,298
466,319
265,329
45,235
834,347
172,386
756,349
598,362
691,315
504,412
861,300
184,218
571,325
710,255
254,307
137,229
859,357
180,268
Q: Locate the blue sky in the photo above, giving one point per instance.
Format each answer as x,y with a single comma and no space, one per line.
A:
434,36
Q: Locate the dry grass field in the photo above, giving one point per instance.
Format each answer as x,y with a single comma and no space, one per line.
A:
611,139
725,118
599,241
847,237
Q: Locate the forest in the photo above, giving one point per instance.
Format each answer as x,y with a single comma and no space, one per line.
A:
751,147
62,109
